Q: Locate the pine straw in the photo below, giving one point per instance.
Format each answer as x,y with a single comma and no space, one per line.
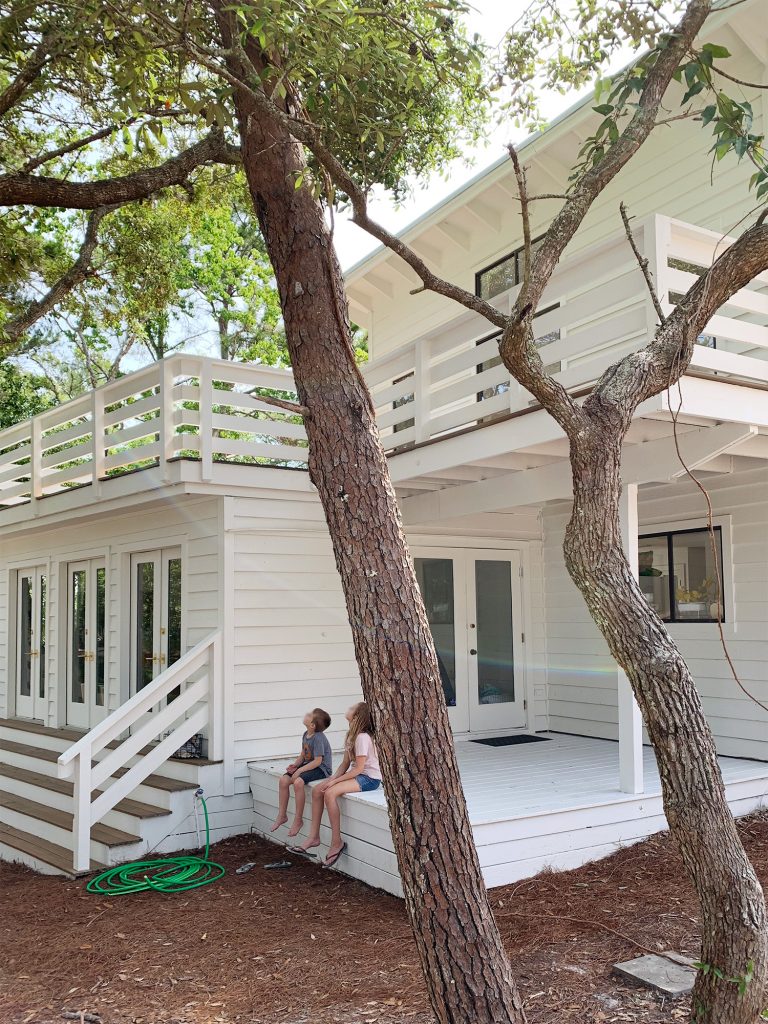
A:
308,945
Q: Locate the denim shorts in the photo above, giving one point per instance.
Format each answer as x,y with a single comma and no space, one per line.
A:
366,783
314,775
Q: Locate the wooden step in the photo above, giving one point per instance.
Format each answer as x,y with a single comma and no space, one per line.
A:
135,808
156,781
57,857
73,735
100,833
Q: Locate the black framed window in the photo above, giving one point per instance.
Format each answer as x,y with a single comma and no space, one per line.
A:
679,573
504,273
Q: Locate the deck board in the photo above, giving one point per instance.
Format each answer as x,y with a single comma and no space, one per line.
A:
551,804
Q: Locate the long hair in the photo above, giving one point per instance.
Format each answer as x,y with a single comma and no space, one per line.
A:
361,722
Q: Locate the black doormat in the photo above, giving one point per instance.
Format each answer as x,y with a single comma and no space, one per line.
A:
511,741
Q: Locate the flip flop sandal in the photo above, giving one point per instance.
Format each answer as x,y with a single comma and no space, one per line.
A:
330,861
245,867
277,864
301,852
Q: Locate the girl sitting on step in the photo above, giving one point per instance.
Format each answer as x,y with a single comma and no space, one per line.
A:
358,772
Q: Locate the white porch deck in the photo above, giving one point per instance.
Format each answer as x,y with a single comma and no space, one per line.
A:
552,804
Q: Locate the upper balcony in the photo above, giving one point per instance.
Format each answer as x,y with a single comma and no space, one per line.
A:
595,309
188,417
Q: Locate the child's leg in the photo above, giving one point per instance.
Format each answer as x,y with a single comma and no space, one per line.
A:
284,791
317,815
299,796
334,814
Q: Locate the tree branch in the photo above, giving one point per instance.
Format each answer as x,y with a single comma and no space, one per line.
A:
12,331
643,264
22,189
31,70
652,370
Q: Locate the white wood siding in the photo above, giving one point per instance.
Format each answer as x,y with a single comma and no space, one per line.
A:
292,643
581,672
670,175
189,523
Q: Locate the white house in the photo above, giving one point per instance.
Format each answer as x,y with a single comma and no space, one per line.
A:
166,573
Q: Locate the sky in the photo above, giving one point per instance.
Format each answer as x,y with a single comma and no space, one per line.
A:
491,19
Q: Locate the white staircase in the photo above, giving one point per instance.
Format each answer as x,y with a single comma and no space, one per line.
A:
71,803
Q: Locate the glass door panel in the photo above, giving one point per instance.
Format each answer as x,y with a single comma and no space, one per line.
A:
439,576
30,643
156,614
495,666
86,654
146,626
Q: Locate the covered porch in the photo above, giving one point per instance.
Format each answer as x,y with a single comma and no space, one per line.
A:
552,803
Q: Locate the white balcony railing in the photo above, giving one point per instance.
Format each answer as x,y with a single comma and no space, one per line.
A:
185,407
595,309
117,755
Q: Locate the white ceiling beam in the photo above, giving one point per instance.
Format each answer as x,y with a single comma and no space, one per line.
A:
653,461
429,253
402,270
381,285
455,234
486,215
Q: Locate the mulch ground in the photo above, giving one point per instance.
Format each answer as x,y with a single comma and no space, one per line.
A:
308,945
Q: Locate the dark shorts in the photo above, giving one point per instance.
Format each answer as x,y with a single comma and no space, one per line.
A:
366,783
315,775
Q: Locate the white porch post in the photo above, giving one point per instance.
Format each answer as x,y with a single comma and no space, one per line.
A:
630,720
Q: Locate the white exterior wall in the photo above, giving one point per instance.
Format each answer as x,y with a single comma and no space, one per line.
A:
189,523
670,175
581,672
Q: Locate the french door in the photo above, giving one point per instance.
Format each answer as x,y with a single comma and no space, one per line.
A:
86,642
31,599
155,614
474,606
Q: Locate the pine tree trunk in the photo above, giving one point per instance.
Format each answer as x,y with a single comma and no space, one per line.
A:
466,968
734,937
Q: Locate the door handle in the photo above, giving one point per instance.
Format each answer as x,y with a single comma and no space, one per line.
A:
472,650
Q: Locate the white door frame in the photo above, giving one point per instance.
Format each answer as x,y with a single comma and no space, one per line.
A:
469,716
89,711
160,559
32,705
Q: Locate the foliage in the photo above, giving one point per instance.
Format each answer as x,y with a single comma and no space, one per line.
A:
22,395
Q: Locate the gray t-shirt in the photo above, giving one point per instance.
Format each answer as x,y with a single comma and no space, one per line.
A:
314,746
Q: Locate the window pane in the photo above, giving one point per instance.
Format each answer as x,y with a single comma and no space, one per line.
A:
25,636
696,572
174,610
653,561
145,623
78,638
435,576
101,622
495,661
43,600
498,279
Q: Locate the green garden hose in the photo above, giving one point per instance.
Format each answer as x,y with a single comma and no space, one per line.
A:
166,874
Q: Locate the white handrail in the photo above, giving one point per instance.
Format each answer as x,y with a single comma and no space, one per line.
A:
198,675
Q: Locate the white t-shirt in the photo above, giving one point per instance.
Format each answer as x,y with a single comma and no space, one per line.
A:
364,745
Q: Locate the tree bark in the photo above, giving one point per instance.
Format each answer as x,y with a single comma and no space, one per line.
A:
466,968
734,936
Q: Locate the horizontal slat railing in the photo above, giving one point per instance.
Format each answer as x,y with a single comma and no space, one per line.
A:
185,406
595,309
152,730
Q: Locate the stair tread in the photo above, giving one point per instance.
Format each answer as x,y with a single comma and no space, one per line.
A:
42,754
136,808
73,735
62,819
49,853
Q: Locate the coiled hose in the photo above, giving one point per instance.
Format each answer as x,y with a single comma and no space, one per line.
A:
165,874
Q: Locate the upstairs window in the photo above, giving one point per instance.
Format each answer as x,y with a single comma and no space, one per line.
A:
504,273
679,576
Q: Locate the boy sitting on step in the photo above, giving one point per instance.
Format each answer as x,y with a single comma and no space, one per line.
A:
313,764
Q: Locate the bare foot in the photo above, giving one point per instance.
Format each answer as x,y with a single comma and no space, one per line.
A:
278,823
310,843
296,827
